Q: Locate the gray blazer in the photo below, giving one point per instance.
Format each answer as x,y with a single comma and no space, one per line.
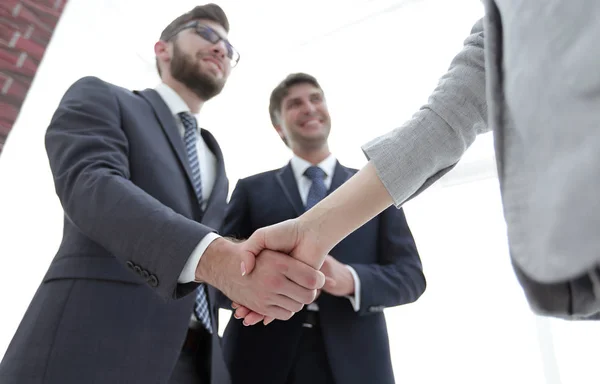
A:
538,89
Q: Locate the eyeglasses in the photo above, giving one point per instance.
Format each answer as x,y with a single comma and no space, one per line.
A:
210,35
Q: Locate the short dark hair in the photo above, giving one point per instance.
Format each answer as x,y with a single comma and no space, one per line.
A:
282,89
207,12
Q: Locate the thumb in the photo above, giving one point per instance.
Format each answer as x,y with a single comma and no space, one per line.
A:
329,283
248,261
251,248
280,237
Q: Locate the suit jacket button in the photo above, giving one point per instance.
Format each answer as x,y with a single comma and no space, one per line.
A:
153,281
137,269
145,274
129,264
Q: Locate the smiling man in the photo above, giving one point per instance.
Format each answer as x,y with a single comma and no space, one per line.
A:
342,336
143,190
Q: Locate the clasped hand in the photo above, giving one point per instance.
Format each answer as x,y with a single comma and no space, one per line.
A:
308,256
260,274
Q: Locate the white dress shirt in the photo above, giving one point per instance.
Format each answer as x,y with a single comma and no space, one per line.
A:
208,175
299,166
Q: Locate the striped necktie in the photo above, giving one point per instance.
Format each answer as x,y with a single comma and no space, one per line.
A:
190,141
318,190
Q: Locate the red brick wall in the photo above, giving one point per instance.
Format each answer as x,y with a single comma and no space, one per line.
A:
25,30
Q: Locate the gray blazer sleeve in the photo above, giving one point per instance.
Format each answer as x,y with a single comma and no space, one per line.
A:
415,155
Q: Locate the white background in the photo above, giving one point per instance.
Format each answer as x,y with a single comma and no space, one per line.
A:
377,61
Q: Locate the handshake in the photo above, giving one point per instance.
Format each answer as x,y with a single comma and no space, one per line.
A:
261,278
259,275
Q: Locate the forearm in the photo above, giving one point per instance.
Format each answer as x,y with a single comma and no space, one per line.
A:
412,157
396,278
350,206
134,226
388,286
188,274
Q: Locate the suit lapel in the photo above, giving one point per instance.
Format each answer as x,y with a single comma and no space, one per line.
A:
218,196
167,122
287,181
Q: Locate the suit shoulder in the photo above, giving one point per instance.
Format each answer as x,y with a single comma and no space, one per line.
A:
86,83
95,83
88,90
260,177
92,86
92,81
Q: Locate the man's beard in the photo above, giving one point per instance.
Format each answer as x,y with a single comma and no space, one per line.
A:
187,71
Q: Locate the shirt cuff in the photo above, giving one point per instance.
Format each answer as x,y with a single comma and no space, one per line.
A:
355,298
188,274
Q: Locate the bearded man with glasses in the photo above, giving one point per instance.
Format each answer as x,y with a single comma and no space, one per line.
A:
143,190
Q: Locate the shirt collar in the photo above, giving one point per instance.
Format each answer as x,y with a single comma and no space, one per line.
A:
299,166
172,99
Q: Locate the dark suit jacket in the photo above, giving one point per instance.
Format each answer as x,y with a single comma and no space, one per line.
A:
105,311
382,252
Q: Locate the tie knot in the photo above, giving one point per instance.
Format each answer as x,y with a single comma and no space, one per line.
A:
314,173
189,121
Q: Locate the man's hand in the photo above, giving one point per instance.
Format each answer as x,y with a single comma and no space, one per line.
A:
338,278
338,282
251,318
278,286
291,237
302,242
